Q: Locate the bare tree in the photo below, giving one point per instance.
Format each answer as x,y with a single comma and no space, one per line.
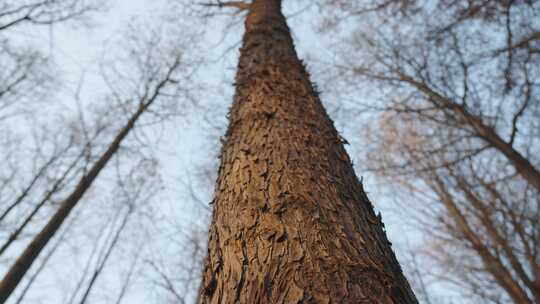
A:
23,77
32,173
134,191
55,163
55,188
45,260
25,73
458,109
159,71
42,12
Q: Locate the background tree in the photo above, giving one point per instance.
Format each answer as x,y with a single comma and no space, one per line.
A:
35,166
25,70
154,71
458,130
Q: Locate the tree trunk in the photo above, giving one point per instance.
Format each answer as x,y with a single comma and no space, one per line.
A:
23,263
56,186
291,221
30,254
522,165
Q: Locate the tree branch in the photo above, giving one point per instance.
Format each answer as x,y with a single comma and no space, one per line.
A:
240,5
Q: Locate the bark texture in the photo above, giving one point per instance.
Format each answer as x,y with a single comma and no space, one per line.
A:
291,221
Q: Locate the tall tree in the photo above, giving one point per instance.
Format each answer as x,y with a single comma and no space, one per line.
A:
458,131
160,73
291,221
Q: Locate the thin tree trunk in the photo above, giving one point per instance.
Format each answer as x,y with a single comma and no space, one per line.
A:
41,172
492,263
25,260
102,260
291,221
46,259
93,253
26,190
522,165
56,186
127,281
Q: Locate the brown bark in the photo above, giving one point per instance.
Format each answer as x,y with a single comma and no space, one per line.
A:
291,221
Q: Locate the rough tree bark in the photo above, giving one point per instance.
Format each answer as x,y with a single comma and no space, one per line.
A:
291,221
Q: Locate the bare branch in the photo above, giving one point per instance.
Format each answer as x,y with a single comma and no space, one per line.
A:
240,5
